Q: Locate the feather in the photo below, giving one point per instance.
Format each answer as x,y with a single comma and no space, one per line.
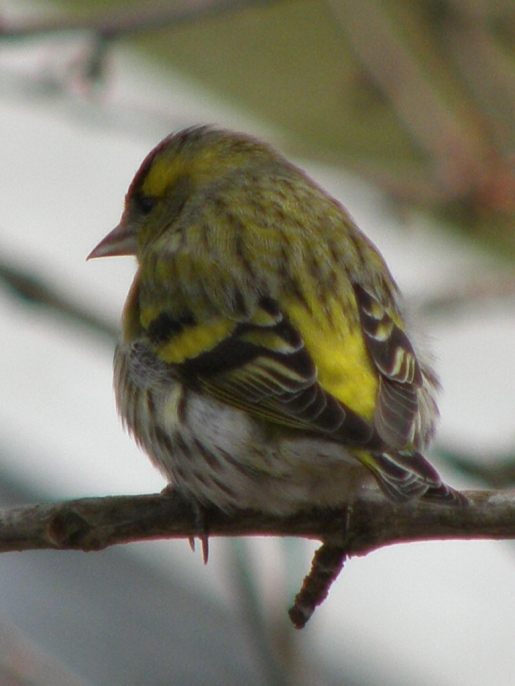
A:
400,378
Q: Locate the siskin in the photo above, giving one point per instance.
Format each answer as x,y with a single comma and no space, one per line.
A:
265,360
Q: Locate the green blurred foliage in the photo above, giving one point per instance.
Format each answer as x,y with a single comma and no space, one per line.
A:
418,95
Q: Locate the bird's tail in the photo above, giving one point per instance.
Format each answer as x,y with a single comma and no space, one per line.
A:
404,475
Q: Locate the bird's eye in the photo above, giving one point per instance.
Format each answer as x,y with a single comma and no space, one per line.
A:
145,203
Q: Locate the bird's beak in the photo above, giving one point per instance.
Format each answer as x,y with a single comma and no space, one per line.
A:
120,241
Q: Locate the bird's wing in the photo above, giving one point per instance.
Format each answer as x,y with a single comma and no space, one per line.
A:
344,374
262,366
399,372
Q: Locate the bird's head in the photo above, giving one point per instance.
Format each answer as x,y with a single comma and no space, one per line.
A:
180,166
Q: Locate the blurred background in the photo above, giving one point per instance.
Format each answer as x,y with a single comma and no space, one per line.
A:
404,110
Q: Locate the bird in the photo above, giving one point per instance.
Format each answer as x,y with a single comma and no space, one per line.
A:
267,359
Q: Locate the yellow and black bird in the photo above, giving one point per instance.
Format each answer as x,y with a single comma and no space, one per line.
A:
265,360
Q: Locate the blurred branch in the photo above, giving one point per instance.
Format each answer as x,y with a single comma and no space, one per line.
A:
125,23
34,290
406,81
24,664
478,291
104,28
277,665
496,473
450,81
369,523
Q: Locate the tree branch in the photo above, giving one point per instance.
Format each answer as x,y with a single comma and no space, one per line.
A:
370,522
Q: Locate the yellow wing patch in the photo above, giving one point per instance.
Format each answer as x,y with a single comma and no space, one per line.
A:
338,350
185,340
194,341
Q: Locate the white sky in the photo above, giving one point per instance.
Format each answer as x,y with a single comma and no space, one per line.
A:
438,613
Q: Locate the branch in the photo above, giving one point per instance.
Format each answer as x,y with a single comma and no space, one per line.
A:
33,289
367,524
121,24
104,28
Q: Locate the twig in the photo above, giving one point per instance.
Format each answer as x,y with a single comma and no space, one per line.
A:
327,564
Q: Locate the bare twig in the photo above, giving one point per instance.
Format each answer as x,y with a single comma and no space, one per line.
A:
327,564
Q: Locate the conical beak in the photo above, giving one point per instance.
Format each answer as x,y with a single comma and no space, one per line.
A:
121,241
